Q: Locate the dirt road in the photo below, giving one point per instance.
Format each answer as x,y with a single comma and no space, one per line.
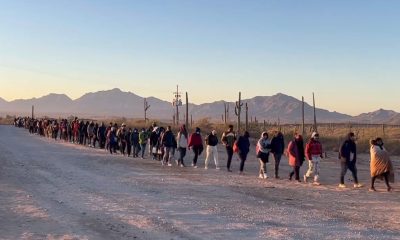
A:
56,190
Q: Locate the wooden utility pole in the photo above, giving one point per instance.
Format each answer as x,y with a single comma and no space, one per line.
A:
187,110
315,116
303,131
33,112
177,102
247,118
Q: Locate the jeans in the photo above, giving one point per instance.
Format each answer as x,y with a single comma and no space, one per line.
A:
143,148
243,158
182,154
296,172
196,151
277,158
212,151
352,167
229,151
168,155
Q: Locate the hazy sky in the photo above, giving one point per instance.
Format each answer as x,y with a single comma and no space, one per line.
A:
346,51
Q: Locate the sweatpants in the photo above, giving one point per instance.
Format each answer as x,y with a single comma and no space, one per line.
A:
243,158
352,167
313,167
295,172
182,154
212,151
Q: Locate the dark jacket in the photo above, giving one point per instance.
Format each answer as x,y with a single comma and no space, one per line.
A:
135,138
212,140
168,139
346,149
243,144
278,144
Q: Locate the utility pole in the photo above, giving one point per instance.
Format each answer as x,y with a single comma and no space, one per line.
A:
33,112
302,116
315,117
177,102
187,110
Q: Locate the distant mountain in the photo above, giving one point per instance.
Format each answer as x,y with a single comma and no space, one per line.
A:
117,103
378,116
279,107
49,103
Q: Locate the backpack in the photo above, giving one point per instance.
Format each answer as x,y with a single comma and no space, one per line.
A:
236,147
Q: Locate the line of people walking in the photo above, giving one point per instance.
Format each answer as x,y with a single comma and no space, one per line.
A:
163,145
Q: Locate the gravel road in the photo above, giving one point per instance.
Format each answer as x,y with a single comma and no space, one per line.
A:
57,190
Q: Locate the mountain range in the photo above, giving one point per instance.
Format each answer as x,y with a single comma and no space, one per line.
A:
117,103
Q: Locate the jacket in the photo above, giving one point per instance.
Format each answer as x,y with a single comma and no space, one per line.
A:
348,147
228,138
211,140
195,140
182,140
278,144
313,148
296,154
243,144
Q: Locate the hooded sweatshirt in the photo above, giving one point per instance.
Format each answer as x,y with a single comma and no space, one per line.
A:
263,144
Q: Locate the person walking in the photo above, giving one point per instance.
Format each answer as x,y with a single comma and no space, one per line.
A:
167,140
101,135
196,144
143,137
228,139
381,166
262,150
182,142
314,156
277,149
348,159
135,142
121,138
243,145
112,140
212,149
128,137
296,156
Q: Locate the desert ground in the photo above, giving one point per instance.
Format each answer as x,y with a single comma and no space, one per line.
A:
55,190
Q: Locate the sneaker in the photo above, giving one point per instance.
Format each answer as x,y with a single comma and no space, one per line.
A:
372,189
358,185
182,165
229,170
261,176
205,168
277,177
265,176
316,183
389,189
305,178
194,166
169,165
217,168
342,186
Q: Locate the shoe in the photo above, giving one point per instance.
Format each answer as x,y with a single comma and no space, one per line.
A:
265,176
241,173
217,168
205,168
261,176
162,163
169,165
277,177
194,166
389,189
372,189
316,183
342,186
358,185
229,170
305,178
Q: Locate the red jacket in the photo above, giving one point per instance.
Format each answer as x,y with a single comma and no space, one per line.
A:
195,140
313,148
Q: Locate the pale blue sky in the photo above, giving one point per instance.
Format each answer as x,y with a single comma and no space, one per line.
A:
346,51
